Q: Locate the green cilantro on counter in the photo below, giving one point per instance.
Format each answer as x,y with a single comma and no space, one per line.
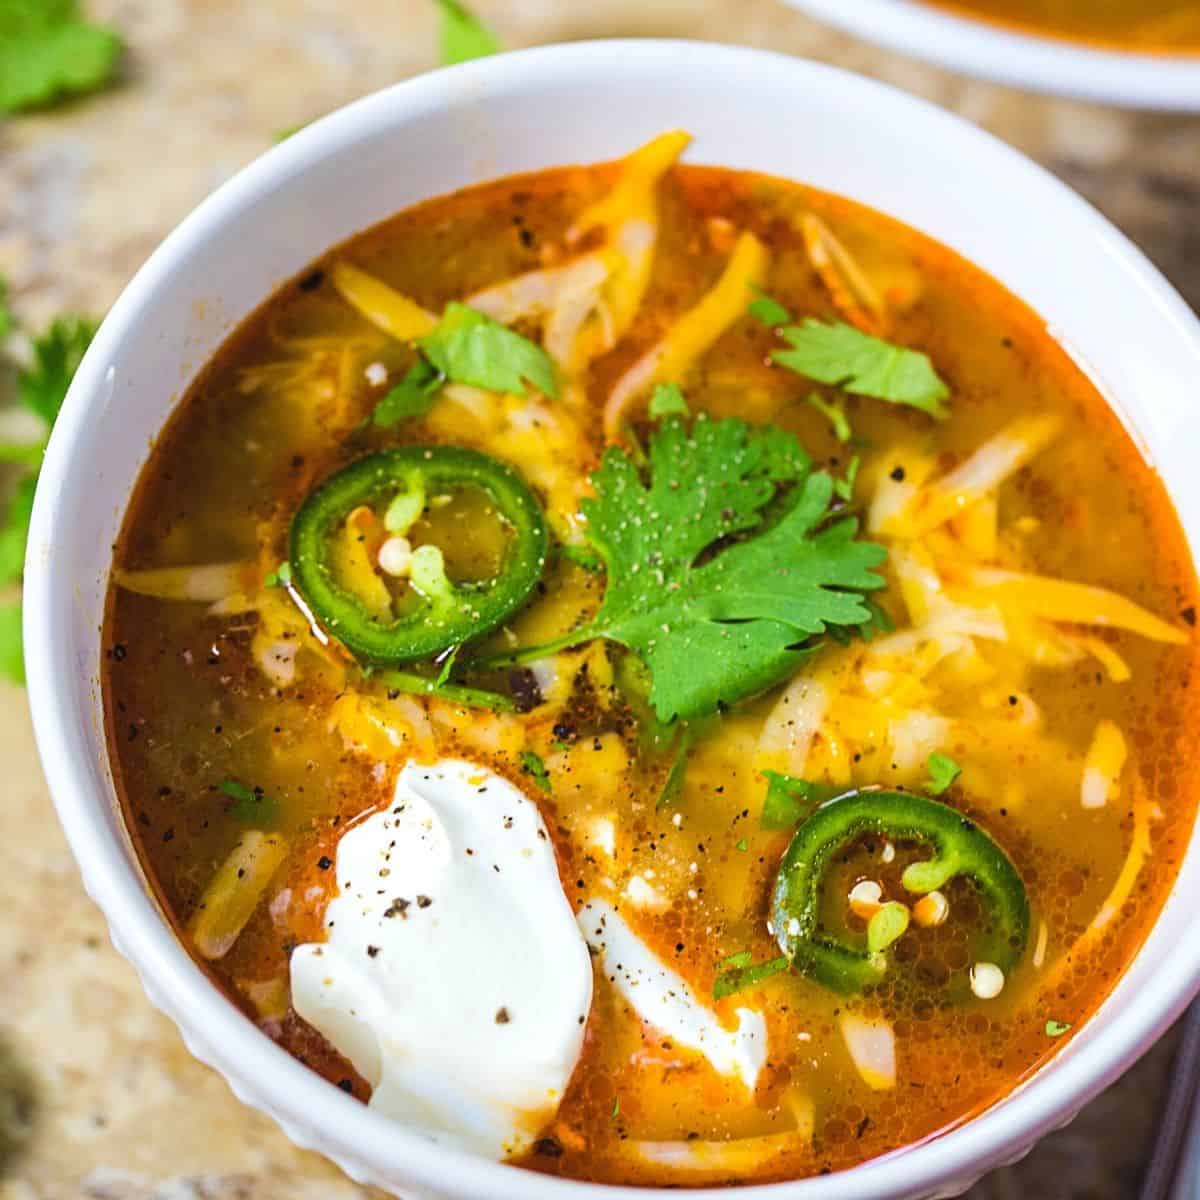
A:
722,564
41,387
943,771
839,354
463,35
49,53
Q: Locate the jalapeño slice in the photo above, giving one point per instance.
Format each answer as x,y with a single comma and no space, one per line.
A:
960,848
443,613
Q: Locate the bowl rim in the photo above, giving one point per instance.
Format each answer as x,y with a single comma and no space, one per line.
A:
1008,55
313,1113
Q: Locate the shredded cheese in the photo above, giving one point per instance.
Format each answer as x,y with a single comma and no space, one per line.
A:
1103,765
693,333
390,310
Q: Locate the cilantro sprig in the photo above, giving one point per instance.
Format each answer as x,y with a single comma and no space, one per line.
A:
722,565
41,386
49,53
466,346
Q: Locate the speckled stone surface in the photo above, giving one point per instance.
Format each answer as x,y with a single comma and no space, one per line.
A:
98,1098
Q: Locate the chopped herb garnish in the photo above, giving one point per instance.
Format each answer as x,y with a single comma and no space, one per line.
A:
447,666
463,35
844,487
943,771
743,958
532,765
834,411
418,685
48,53
789,800
769,311
412,397
740,978
867,366
716,628
668,401
743,845
249,804
280,577
468,347
1056,1028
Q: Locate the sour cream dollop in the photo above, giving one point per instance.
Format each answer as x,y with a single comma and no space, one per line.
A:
453,975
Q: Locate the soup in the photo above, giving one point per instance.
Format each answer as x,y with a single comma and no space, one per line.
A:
1153,26
654,674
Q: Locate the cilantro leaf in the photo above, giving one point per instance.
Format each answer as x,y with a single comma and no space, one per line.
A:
42,386
867,366
740,978
412,397
1057,1028
834,411
789,801
463,35
667,401
531,764
943,771
714,598
768,310
844,488
12,660
47,53
468,347
581,556
743,958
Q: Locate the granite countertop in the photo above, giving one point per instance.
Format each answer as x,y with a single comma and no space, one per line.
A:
98,1097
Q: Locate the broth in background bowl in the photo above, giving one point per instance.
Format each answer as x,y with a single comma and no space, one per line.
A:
256,757
1122,52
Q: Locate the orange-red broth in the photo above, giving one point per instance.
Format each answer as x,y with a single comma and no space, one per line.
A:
187,706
